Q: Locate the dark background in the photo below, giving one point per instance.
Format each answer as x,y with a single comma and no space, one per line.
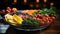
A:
21,5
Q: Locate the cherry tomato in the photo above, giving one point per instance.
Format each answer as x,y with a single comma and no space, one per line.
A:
44,20
53,18
42,23
7,11
3,11
50,20
8,8
40,16
37,18
14,10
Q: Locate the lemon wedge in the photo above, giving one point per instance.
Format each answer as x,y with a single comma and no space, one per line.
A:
8,17
17,19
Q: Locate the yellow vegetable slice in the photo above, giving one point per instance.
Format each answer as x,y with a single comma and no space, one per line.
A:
18,19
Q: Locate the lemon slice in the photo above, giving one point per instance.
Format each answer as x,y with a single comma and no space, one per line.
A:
17,19
8,17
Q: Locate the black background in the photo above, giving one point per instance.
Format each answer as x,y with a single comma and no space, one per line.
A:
21,5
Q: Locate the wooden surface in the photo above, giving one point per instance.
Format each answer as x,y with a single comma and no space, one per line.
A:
54,28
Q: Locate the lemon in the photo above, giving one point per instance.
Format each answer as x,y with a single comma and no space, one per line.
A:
8,17
17,19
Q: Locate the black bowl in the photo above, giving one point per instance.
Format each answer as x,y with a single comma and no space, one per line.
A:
29,27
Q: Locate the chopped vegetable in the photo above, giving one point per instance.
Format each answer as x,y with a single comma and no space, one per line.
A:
32,17
31,21
18,19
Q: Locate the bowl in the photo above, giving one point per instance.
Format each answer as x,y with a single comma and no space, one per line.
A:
28,27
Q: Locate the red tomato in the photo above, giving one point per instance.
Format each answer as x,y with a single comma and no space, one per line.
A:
42,22
8,8
14,10
50,20
7,11
40,16
3,11
45,18
37,18
53,18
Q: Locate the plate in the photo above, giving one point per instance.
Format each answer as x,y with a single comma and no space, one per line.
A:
28,27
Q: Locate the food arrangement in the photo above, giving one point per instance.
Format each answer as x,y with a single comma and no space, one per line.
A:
32,17
8,10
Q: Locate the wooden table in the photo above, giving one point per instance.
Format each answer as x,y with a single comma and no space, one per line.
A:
54,28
